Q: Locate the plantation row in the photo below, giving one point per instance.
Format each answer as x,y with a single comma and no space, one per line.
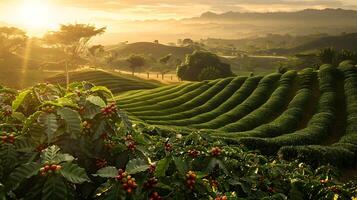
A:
293,114
116,83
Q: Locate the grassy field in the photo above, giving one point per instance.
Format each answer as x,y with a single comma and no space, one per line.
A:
116,82
308,114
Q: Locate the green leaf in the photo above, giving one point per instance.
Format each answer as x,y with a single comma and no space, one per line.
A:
31,119
65,101
161,166
103,188
136,166
18,116
96,101
91,110
24,145
20,99
107,172
54,189
21,173
49,121
52,155
100,130
72,120
180,165
103,89
73,173
8,156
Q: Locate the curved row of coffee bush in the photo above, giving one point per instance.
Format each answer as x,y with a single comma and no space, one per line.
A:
74,143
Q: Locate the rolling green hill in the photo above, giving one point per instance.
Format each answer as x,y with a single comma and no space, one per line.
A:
310,115
116,83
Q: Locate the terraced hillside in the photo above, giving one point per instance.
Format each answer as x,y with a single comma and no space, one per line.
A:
310,115
116,83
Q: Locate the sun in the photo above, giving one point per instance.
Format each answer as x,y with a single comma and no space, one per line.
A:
35,14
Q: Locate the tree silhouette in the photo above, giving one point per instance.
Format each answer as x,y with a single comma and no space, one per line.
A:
135,62
164,69
95,52
73,40
11,39
198,61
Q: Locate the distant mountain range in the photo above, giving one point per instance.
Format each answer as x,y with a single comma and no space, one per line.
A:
312,14
236,25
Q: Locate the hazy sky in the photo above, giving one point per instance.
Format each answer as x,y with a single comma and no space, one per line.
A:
38,15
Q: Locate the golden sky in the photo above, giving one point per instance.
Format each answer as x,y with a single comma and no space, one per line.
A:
37,16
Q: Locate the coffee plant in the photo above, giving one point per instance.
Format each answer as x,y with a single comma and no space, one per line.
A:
75,143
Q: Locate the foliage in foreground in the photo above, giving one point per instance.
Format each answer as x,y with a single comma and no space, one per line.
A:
74,143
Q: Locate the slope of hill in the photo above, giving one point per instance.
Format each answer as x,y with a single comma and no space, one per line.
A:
116,83
293,114
344,41
153,49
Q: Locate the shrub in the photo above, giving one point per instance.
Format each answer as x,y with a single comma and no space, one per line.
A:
201,65
75,144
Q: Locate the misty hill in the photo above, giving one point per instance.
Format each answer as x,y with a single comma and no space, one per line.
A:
311,14
344,41
237,25
269,41
153,49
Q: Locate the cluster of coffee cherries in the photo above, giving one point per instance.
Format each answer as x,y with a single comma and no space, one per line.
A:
41,147
81,110
48,108
152,168
151,182
214,183
271,190
224,197
109,144
100,163
216,151
334,189
168,147
86,126
130,142
109,110
324,181
8,138
127,181
155,196
190,179
193,153
49,169
7,111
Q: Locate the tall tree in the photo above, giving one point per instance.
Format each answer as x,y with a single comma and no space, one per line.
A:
135,62
73,40
164,68
95,53
11,39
